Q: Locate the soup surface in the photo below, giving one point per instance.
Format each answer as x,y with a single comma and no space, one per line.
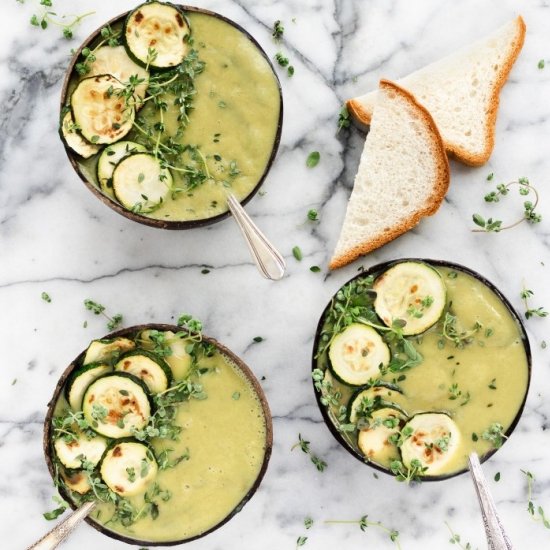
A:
204,471
471,366
233,122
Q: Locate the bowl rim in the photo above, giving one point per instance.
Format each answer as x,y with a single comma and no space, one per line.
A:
243,368
114,205
377,269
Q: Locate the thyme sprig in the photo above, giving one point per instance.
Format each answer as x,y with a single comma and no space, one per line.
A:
409,475
525,294
455,539
537,513
454,333
529,213
304,446
113,322
495,435
364,523
67,22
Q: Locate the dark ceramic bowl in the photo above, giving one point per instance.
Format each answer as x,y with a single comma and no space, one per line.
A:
247,373
377,269
163,224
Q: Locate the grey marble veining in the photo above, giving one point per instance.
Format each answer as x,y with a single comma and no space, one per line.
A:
56,237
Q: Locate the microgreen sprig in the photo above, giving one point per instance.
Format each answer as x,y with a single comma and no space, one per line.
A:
113,322
364,523
304,446
66,22
525,294
537,513
455,539
529,214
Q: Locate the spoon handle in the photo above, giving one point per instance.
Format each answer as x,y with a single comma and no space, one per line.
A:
62,530
268,261
496,536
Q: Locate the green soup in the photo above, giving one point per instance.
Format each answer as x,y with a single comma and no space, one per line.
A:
214,462
234,122
479,383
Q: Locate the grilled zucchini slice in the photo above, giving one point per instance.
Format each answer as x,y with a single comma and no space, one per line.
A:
76,480
356,354
128,468
115,61
73,453
108,160
434,441
104,351
179,360
144,365
80,379
374,442
140,183
73,139
413,292
157,27
117,404
364,402
99,111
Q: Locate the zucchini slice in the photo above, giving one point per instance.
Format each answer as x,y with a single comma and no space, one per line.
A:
157,27
179,360
363,403
80,379
99,111
117,404
115,61
71,454
434,441
108,160
374,442
128,468
144,365
73,139
140,183
413,292
103,351
76,480
356,354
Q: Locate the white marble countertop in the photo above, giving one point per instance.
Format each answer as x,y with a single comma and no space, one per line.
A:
55,236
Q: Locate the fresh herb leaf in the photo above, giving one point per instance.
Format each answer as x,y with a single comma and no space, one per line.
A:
313,215
46,297
313,159
278,30
315,269
343,118
297,253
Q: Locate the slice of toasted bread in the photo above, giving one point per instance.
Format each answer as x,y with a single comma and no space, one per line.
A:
461,91
403,175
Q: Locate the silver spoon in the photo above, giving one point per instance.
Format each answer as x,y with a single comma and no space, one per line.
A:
268,260
62,530
497,539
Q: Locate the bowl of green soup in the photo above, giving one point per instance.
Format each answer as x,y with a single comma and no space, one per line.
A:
168,108
166,430
418,363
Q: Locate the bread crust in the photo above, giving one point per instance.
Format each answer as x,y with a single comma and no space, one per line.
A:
467,157
362,117
440,187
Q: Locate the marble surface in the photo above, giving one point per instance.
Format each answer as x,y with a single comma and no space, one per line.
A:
56,237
